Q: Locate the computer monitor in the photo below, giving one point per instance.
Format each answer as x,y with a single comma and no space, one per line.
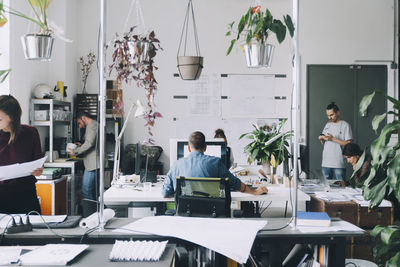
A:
180,148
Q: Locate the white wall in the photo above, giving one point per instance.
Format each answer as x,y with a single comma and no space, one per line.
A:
331,32
345,32
166,18
27,74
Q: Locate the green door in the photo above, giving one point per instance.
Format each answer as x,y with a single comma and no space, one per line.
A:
345,85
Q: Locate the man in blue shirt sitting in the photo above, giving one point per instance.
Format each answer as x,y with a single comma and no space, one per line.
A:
199,165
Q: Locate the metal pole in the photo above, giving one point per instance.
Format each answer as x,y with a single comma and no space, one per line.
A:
295,103
102,95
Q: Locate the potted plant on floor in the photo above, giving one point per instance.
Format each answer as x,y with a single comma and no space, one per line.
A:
254,29
37,46
270,155
383,180
133,59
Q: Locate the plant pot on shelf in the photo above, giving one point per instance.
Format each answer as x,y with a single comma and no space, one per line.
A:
140,49
190,67
37,47
258,55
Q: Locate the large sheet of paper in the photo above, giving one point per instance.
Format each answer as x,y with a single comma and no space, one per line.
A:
19,170
230,237
205,96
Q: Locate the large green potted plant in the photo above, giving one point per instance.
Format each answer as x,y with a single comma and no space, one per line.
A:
384,178
254,29
37,46
272,154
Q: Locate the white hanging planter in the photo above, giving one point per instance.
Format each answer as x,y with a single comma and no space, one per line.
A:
258,55
37,46
140,49
190,67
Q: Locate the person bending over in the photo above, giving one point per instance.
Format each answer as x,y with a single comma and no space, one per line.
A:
199,165
352,153
19,143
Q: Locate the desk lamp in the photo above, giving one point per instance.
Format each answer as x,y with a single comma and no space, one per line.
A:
117,153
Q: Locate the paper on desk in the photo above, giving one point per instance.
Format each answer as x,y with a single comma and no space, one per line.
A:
337,226
230,237
9,255
52,254
20,170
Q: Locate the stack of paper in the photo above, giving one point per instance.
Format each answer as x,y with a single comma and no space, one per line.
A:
137,250
313,219
52,254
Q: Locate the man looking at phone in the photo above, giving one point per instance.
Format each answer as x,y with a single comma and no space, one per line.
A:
336,134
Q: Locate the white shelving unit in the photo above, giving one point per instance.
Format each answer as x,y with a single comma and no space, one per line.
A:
54,112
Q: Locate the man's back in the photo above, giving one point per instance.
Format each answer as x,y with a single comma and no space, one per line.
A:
198,165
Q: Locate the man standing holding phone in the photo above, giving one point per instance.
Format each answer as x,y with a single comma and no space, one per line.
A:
336,134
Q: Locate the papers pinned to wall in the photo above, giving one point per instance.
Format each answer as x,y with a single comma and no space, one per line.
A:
205,96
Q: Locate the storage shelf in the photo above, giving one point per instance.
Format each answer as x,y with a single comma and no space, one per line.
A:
47,123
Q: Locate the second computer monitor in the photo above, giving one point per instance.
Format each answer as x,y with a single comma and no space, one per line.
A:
215,148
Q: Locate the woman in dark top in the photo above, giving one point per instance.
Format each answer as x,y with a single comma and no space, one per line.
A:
18,144
352,153
219,133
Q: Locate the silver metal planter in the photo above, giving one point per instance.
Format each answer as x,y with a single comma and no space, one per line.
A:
140,49
258,55
190,67
37,47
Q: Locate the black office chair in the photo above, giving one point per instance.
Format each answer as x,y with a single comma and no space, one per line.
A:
203,197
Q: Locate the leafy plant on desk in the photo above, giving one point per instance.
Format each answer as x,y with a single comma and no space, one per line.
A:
384,177
274,153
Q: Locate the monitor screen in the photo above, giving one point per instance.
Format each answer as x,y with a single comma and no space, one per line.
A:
215,147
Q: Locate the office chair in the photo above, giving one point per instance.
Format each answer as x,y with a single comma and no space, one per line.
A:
203,197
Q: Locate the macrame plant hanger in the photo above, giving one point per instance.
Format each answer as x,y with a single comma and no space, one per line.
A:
141,26
189,67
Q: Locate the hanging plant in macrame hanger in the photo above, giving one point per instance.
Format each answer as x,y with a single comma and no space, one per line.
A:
133,59
189,67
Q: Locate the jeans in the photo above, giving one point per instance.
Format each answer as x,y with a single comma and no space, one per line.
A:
89,184
334,173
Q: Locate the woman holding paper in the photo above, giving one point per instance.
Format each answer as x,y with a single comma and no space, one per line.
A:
18,144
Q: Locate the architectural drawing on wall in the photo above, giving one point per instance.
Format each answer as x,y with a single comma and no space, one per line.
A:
248,96
205,96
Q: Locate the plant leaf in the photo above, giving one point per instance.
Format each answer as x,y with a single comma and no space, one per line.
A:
289,24
231,46
377,230
279,29
365,102
377,120
394,261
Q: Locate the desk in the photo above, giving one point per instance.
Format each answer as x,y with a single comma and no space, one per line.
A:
276,238
97,255
69,165
123,195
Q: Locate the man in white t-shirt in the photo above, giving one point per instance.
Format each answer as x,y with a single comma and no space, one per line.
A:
335,135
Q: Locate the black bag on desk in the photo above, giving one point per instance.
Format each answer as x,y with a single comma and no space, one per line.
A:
203,197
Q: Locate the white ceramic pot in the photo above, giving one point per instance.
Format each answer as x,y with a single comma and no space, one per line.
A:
37,47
